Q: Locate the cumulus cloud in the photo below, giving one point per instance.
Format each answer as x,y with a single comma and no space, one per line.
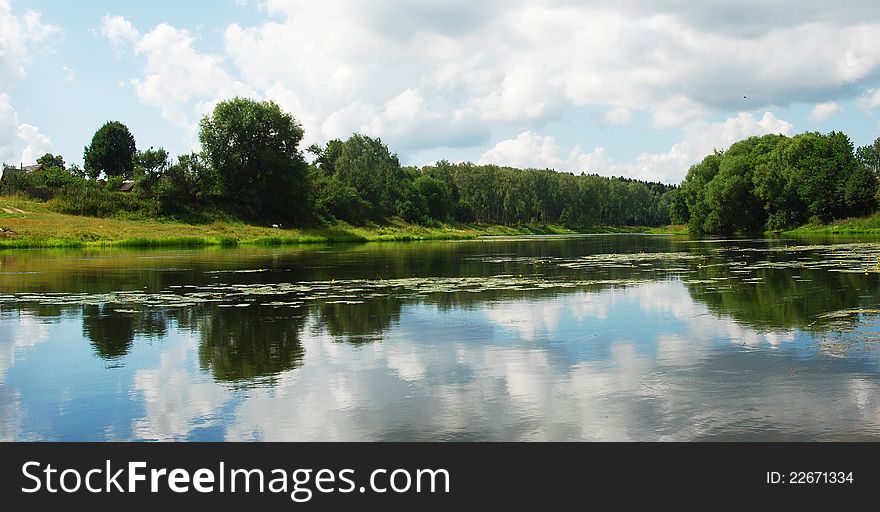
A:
871,99
530,149
8,127
21,35
182,82
37,144
527,150
118,30
824,111
16,136
431,74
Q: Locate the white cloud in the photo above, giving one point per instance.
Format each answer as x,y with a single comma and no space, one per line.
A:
19,142
824,111
183,83
21,36
527,150
434,74
177,75
676,111
8,127
118,30
405,107
530,149
871,99
37,144
618,115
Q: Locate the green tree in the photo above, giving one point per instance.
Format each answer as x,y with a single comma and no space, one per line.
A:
869,156
112,151
361,180
437,197
189,182
254,148
151,161
678,211
367,165
49,160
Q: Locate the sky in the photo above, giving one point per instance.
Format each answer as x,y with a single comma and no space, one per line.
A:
640,89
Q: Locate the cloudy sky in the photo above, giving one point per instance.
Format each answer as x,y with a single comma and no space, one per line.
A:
641,89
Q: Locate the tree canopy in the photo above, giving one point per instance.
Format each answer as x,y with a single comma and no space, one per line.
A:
254,148
112,151
777,182
251,167
49,160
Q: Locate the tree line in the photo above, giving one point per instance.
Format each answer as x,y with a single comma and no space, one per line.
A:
776,182
251,166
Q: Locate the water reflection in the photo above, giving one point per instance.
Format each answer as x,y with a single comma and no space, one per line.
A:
608,338
177,400
110,332
357,323
243,345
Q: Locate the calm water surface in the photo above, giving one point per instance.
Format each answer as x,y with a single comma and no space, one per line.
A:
626,337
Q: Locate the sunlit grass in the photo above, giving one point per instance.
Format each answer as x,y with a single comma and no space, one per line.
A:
856,225
40,227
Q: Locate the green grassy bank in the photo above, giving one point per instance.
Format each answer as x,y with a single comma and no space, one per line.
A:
32,224
869,225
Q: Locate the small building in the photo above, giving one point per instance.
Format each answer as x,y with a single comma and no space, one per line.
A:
6,171
32,168
127,186
26,169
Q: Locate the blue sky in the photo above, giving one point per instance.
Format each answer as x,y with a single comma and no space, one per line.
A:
635,89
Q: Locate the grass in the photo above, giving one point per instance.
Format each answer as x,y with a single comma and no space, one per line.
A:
40,227
856,225
672,229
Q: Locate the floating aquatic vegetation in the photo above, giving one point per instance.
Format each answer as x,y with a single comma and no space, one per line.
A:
844,313
301,293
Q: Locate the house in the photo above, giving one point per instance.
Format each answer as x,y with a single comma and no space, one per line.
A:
27,169
127,186
7,170
32,168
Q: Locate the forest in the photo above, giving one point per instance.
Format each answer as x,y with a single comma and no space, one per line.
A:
252,167
776,183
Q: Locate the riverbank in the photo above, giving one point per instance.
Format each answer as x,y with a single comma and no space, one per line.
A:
869,225
32,224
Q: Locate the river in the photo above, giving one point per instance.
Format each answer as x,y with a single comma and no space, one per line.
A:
561,338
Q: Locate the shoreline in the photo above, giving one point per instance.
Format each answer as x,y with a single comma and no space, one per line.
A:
28,224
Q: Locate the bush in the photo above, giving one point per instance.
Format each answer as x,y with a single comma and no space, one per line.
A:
43,184
98,202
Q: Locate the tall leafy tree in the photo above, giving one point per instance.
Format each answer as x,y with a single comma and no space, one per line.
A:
361,180
112,151
49,160
151,162
869,156
254,148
